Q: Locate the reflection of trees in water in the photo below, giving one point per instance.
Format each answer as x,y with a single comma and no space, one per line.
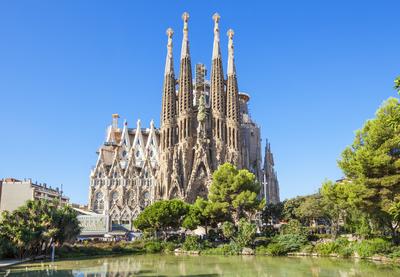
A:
206,266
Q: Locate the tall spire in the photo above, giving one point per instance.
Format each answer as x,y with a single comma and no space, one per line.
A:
218,98
231,57
216,48
185,95
232,91
169,98
169,61
185,41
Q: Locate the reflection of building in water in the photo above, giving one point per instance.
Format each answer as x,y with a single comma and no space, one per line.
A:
204,123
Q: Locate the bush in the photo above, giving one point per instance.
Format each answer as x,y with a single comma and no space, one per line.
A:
223,249
192,243
291,242
153,247
262,250
276,249
326,248
169,246
368,248
395,252
246,233
308,248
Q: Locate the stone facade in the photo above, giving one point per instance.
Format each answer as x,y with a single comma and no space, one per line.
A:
203,124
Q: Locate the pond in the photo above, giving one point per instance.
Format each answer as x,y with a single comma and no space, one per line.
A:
205,266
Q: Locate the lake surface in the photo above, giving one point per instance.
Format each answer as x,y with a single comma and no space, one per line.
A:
204,266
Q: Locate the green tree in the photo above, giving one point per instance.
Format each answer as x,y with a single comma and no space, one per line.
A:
236,189
397,84
310,209
205,213
272,212
36,224
290,207
372,164
162,215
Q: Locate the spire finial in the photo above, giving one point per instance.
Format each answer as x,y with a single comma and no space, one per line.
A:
185,41
231,62
216,48
185,17
169,67
216,18
230,34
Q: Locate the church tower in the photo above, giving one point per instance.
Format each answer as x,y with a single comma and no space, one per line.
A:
185,116
168,119
218,101
233,154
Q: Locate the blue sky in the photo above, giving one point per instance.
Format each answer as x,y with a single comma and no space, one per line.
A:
315,70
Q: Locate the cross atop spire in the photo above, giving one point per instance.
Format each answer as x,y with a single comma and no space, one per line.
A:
231,58
216,48
169,65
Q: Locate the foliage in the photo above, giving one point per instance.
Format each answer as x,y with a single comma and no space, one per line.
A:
153,246
35,225
228,229
169,246
290,242
368,248
228,249
237,190
326,248
162,215
192,243
372,164
205,213
246,233
397,84
293,227
272,213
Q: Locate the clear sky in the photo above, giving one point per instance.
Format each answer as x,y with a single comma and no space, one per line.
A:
315,70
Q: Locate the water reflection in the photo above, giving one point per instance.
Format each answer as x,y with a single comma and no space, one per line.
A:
204,266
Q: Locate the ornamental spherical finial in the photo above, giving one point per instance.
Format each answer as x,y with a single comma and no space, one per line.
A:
169,32
230,33
185,17
216,17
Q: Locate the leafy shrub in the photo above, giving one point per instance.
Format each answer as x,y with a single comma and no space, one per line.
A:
192,243
276,249
308,248
262,250
368,248
153,247
168,246
291,242
246,233
228,229
326,248
223,249
395,252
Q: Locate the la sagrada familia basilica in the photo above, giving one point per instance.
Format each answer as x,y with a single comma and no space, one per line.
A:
204,123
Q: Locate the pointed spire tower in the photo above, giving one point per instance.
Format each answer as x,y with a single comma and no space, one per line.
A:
168,117
218,101
232,113
168,112
185,94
